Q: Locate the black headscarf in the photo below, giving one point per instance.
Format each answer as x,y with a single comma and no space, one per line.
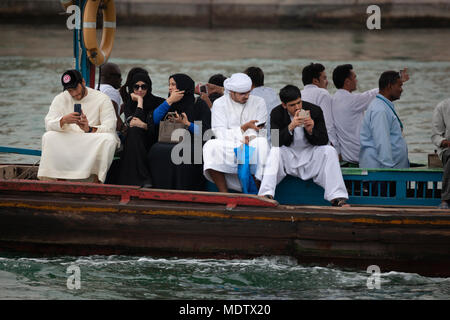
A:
124,89
184,82
150,101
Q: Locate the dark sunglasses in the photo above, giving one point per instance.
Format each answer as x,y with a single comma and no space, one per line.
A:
142,86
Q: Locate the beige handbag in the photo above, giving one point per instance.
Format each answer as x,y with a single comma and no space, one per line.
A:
166,127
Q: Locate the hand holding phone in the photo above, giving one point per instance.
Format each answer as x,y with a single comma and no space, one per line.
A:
172,115
203,89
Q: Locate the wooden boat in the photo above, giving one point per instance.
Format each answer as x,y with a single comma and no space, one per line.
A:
394,222
73,218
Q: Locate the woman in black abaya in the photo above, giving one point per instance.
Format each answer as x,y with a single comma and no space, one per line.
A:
166,171
139,104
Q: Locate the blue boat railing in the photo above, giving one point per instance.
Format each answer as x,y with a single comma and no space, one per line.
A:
403,187
30,152
414,186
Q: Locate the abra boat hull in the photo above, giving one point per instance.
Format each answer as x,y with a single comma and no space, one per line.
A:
54,218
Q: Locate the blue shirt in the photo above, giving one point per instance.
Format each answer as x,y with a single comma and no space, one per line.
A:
381,140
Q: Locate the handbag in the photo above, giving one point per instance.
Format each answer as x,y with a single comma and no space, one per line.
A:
166,128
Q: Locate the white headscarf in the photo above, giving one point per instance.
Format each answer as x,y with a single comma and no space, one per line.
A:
238,82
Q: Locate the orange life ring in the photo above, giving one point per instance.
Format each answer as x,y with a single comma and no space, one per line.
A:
99,56
66,3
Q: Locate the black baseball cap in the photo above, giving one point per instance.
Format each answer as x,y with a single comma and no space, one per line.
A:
71,78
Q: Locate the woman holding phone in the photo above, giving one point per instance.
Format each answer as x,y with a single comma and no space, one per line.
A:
170,168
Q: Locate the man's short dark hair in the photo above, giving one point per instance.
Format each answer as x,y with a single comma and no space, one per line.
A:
387,78
256,74
340,73
312,71
289,93
217,79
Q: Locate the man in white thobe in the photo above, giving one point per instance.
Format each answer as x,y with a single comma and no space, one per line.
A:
314,79
235,116
348,111
303,151
78,145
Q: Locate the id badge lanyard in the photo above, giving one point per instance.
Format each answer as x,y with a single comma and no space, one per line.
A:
395,113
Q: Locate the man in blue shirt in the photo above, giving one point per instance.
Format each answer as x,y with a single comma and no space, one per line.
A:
382,143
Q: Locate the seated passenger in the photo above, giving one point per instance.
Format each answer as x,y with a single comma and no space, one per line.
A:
78,145
140,102
441,139
303,151
110,82
381,139
170,166
235,116
214,89
268,94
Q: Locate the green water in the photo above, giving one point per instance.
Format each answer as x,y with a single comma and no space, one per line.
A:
126,277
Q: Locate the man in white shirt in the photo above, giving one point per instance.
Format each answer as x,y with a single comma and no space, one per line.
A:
80,140
314,79
234,119
348,111
268,94
110,82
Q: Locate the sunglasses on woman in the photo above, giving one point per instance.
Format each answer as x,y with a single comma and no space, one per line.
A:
142,86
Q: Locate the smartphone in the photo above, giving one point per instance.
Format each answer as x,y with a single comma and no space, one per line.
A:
260,125
303,113
77,108
204,89
171,115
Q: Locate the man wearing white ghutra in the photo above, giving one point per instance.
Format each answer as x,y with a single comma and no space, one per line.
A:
236,117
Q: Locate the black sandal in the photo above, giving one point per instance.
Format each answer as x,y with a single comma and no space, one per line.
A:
340,202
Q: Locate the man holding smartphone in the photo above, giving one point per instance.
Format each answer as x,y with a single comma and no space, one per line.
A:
302,149
80,140
234,119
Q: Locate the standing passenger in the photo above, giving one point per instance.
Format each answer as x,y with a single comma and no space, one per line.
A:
382,142
314,79
348,111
